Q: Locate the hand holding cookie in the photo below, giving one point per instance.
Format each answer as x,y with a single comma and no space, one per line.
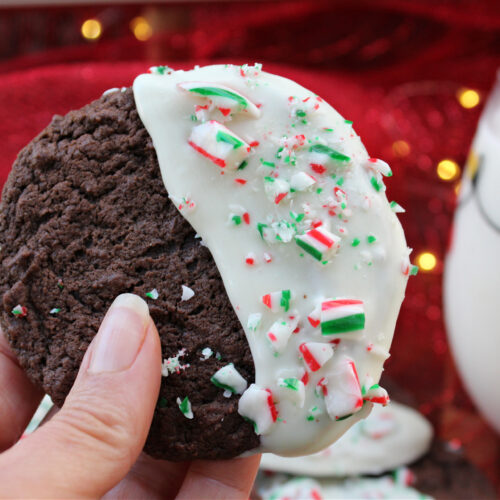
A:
94,442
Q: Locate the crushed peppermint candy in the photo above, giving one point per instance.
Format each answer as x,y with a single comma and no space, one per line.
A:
253,322
153,294
257,405
217,143
345,398
315,354
319,243
278,300
279,334
185,407
187,293
227,101
206,353
375,394
397,208
20,311
378,166
342,316
55,310
294,390
173,365
230,379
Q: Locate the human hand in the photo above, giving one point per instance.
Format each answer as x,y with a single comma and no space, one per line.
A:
92,446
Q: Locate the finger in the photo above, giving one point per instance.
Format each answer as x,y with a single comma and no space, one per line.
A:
18,397
221,479
96,437
151,479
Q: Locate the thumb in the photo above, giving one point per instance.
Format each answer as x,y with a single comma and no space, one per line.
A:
90,445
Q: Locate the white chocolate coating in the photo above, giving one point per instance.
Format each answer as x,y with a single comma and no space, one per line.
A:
210,195
391,436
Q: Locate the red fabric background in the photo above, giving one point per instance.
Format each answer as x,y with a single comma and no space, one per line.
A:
394,69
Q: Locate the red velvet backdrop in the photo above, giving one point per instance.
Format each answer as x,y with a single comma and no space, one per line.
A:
394,69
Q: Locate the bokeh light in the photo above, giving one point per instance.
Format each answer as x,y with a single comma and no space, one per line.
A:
91,29
141,28
468,98
426,261
401,148
448,170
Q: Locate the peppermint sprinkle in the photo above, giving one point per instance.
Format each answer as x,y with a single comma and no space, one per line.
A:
187,293
19,311
55,310
173,365
230,379
250,259
253,321
319,243
397,208
315,354
345,398
342,316
277,300
206,353
185,407
294,390
153,294
257,405
378,166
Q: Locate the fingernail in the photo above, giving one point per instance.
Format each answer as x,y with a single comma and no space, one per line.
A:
121,335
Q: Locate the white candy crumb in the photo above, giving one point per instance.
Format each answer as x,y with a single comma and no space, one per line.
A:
187,293
207,352
110,91
153,294
227,393
173,365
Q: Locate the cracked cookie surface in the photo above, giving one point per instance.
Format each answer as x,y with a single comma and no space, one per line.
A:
85,217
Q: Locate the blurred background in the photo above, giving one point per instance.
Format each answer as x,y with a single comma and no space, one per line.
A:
412,75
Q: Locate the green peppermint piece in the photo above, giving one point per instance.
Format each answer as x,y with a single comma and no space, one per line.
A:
153,294
19,311
377,185
332,153
222,136
229,379
243,164
371,239
397,208
267,163
55,310
185,407
291,383
413,270
219,92
355,242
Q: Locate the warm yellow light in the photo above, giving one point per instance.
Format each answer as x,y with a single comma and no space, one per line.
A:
401,148
426,261
468,98
141,29
91,29
448,170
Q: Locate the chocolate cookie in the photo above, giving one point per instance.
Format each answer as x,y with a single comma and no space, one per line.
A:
84,217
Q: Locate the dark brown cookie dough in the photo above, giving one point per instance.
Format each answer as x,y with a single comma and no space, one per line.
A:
84,217
446,474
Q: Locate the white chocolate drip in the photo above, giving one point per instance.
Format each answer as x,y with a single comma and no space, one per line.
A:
285,220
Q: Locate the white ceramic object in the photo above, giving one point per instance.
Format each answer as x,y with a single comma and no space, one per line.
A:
472,270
